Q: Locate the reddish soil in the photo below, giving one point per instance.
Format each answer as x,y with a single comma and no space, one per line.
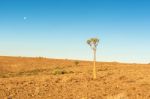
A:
42,78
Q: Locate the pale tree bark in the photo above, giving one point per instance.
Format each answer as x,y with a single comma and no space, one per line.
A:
94,64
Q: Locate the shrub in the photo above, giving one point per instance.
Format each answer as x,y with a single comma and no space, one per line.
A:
58,71
76,63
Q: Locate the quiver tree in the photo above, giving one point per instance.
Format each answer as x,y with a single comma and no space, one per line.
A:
93,42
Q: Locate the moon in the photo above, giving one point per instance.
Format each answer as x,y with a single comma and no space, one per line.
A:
24,18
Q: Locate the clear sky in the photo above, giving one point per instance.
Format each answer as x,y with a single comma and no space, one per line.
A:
60,28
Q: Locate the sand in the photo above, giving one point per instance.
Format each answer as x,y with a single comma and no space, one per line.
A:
42,78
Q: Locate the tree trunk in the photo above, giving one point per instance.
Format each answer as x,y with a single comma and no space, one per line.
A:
94,64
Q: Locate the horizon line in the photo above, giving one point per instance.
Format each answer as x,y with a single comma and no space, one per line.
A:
121,62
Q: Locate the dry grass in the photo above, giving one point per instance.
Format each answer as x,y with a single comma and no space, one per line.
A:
41,78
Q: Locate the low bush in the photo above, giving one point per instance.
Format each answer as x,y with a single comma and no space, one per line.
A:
76,63
59,71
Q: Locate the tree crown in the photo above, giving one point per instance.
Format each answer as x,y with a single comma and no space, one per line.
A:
93,42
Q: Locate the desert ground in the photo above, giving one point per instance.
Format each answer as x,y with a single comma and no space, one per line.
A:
43,78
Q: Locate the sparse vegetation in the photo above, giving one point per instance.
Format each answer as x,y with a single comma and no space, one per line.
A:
55,79
24,73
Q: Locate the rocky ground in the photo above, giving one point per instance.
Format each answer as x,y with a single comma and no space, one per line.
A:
41,78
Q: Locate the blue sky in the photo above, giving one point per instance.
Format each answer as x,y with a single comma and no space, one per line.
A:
60,28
